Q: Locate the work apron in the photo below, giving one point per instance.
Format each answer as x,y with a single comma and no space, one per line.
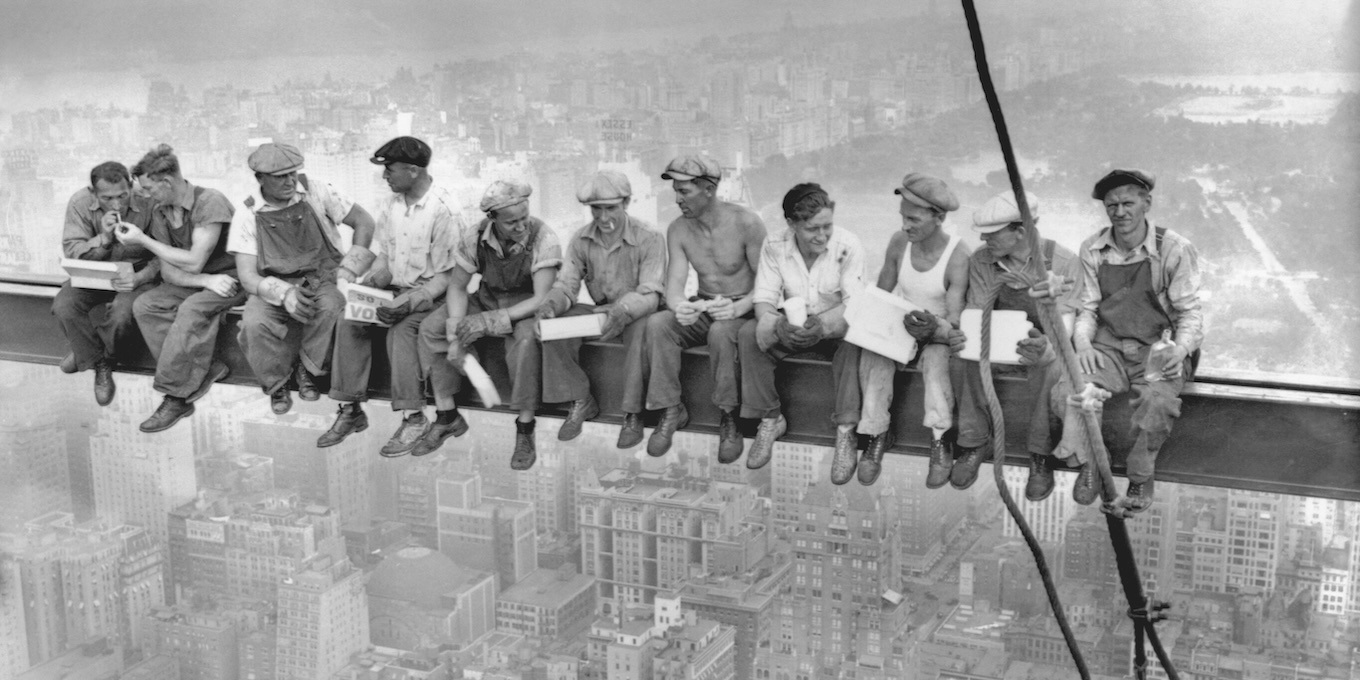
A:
1131,318
509,279
293,247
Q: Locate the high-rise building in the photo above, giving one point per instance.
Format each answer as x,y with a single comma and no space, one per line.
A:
337,477
1048,518
794,468
745,602
322,620
140,479
36,477
484,532
13,636
203,644
928,519
548,603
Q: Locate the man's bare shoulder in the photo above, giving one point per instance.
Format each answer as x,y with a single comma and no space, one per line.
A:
897,244
744,218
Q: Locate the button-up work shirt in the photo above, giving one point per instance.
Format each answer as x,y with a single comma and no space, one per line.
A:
329,205
984,270
419,240
81,234
835,276
547,251
1175,279
631,272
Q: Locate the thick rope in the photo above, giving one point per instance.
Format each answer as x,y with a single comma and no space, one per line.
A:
1090,422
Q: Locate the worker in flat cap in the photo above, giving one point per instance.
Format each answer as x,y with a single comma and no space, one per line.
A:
929,266
721,241
1008,246
822,267
622,262
518,257
418,226
1140,284
289,254
93,214
180,318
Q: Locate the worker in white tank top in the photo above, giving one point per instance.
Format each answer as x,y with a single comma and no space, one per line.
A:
928,266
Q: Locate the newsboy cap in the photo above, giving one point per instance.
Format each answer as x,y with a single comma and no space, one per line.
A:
1120,177
927,192
275,159
403,150
1000,211
690,167
606,187
505,193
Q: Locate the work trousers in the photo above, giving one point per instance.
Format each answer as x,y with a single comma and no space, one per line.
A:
975,420
93,341
759,399
1155,405
273,341
180,328
563,379
876,375
408,357
523,360
666,341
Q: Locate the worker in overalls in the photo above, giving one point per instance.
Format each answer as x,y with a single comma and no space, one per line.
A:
1139,281
1006,248
289,254
517,256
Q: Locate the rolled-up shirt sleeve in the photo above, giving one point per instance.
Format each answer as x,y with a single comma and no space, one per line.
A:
769,286
1183,292
465,255
548,250
651,277
241,236
569,277
852,271
1088,294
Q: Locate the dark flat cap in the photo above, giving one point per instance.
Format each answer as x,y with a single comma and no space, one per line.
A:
691,167
1120,177
403,150
927,192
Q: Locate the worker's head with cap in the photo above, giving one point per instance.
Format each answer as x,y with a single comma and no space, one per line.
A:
925,202
810,213
695,180
160,174
1001,226
506,203
404,161
1127,195
607,193
276,168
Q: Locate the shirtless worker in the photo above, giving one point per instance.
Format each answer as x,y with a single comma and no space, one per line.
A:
722,242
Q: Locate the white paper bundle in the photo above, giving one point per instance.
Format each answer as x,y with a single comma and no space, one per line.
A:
875,323
486,389
362,302
560,328
94,275
1009,327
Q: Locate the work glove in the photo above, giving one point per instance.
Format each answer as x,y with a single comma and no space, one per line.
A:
921,325
809,335
1035,350
406,304
615,321
299,304
477,326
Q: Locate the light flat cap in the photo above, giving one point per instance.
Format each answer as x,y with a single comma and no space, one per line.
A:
1121,177
927,192
690,167
275,159
1001,210
606,187
503,194
403,150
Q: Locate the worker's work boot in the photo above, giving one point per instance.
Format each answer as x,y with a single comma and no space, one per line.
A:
171,411
1139,496
306,387
941,464
965,470
525,454
1087,488
846,457
871,463
672,419
581,411
630,432
406,437
1040,482
771,429
103,383
350,419
437,432
730,443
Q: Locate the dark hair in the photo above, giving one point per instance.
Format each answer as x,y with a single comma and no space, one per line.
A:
112,172
804,201
159,161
